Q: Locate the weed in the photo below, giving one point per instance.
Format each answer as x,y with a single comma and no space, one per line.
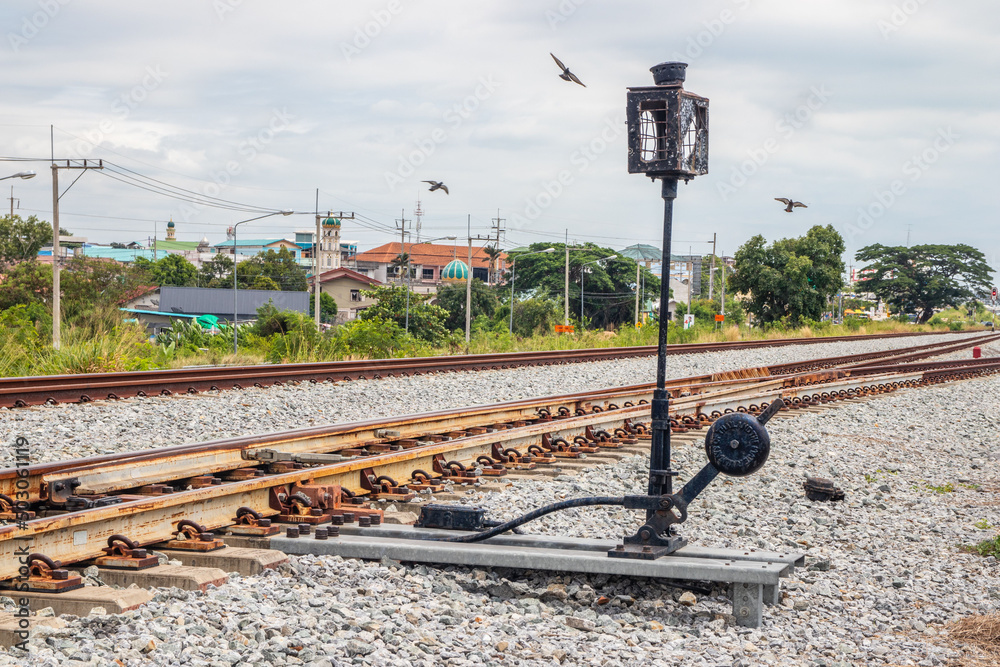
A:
947,487
871,479
985,548
983,524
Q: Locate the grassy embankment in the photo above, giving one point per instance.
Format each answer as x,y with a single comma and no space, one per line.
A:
105,344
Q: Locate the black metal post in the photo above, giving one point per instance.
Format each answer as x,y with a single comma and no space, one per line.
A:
660,482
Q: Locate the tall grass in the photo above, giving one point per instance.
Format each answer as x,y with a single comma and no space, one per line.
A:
101,342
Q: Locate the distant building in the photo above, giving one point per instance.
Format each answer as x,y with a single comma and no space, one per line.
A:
188,302
427,262
245,249
347,288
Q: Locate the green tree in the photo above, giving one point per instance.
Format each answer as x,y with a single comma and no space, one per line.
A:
791,278
426,320
21,239
705,310
280,266
26,283
609,285
327,308
493,252
452,299
262,282
170,270
89,284
535,316
399,263
216,272
922,278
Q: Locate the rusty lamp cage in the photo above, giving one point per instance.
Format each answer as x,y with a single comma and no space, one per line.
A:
667,127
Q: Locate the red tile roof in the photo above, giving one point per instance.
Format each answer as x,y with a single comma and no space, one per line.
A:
333,274
428,254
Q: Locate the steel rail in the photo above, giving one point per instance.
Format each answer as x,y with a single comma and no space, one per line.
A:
134,469
80,535
85,387
118,472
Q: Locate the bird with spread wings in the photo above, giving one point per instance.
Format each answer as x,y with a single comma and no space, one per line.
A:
790,203
438,185
566,74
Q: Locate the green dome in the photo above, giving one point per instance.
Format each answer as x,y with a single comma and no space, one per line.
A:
170,224
455,270
331,222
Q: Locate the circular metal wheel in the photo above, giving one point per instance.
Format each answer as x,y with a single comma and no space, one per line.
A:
737,444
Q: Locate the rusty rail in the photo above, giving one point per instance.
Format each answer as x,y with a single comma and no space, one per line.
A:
85,387
79,535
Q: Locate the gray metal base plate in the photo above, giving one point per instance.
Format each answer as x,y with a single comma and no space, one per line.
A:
753,575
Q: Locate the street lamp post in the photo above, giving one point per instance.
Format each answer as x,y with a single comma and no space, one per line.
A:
513,265
21,174
236,345
582,274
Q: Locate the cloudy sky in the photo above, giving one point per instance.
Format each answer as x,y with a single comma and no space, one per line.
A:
881,115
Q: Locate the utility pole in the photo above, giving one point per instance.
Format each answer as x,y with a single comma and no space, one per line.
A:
468,283
690,278
468,288
402,252
711,274
566,297
498,228
12,202
56,301
637,293
316,286
722,289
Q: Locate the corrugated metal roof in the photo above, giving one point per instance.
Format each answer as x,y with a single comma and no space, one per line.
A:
219,302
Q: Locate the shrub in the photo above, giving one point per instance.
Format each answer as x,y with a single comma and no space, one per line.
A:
372,338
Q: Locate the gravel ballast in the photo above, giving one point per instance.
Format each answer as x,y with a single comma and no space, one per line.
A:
883,577
79,430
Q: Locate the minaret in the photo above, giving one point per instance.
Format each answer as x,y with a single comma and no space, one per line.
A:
170,231
329,247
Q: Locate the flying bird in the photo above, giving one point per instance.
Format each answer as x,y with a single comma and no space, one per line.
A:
438,185
566,74
790,203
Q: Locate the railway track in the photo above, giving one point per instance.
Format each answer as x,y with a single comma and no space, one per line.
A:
81,388
71,509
